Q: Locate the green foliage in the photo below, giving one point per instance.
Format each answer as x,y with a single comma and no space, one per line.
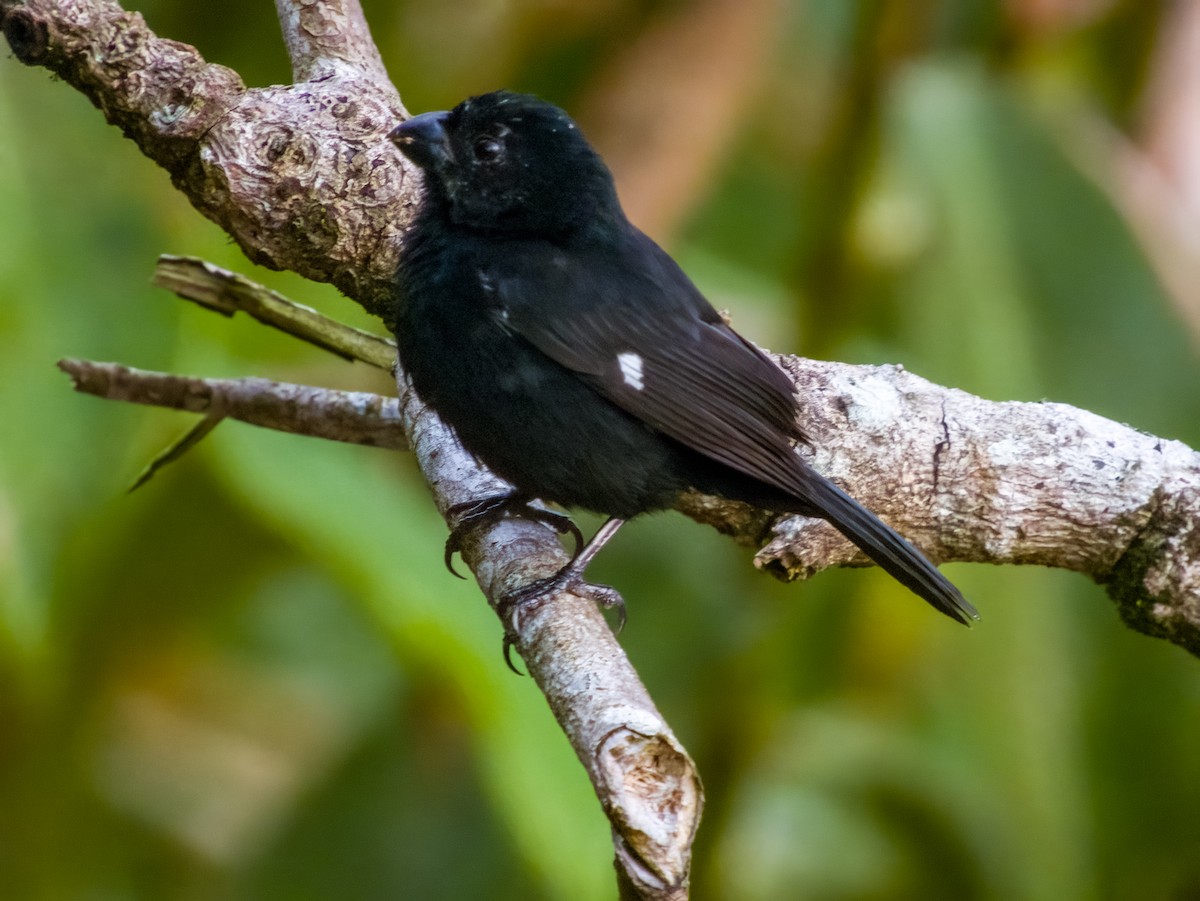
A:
253,679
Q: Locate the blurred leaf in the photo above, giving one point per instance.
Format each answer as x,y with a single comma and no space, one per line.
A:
966,312
347,510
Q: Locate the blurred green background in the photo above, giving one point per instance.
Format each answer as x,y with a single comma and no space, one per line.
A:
253,679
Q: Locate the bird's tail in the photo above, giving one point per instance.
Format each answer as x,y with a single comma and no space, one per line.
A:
887,548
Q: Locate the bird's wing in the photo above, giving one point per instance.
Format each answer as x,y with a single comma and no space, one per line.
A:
642,335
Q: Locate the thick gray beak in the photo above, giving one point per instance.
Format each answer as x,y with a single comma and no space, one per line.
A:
423,139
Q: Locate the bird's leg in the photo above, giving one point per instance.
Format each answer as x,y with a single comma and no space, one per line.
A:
570,576
492,508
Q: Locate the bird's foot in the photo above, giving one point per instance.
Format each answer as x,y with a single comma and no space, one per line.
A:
493,508
512,606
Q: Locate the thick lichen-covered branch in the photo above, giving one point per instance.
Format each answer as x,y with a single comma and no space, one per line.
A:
967,479
991,482
299,175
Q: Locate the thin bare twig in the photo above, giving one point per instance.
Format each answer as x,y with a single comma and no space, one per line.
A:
355,417
227,293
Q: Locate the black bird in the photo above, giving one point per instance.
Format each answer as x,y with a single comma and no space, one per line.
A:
574,358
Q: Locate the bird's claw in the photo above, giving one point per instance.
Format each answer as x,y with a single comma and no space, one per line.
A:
487,510
472,514
533,595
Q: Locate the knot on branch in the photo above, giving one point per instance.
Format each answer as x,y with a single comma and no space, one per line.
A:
656,807
1155,581
27,35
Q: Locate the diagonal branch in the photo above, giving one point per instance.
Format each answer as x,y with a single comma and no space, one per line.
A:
324,38
302,178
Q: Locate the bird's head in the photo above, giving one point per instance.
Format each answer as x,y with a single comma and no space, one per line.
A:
511,163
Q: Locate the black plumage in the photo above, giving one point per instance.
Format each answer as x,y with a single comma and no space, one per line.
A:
574,358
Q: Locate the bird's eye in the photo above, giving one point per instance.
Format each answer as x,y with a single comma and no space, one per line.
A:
487,150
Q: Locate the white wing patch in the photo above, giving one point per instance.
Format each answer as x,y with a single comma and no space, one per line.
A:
631,370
